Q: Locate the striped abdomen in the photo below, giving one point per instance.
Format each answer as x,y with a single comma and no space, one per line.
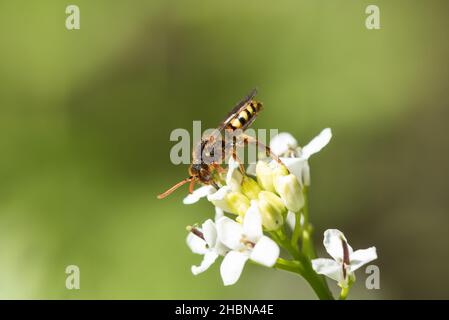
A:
245,116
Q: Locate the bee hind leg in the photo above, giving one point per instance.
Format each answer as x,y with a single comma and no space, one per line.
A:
248,139
236,158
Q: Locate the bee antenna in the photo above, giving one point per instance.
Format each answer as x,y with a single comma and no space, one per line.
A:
176,186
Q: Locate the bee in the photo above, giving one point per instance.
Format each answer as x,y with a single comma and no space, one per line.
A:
205,162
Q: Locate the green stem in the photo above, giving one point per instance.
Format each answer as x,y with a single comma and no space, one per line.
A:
321,290
282,240
302,266
297,231
287,265
344,293
302,258
307,243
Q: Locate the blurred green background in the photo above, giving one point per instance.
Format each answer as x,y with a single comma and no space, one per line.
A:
85,118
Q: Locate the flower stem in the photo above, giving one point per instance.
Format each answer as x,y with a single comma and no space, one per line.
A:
307,243
287,265
301,264
344,293
314,280
297,231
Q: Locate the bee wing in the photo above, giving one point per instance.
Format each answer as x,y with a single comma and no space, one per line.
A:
239,106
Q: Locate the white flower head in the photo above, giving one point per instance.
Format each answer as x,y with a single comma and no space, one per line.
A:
204,241
345,261
296,158
199,193
246,241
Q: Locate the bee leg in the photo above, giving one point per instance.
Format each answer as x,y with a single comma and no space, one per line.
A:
234,156
248,139
192,184
218,167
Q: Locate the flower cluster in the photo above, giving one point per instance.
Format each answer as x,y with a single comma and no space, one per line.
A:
252,210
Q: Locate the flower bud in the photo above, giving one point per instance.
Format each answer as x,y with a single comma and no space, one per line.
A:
279,170
250,188
272,210
288,188
238,203
264,174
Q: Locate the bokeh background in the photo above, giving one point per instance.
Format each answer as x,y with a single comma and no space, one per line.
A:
85,118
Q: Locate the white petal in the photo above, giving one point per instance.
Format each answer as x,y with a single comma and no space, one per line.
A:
317,143
196,244
229,233
198,194
234,176
210,233
282,143
232,266
208,259
218,198
329,268
218,213
334,245
265,252
306,174
220,194
221,249
251,169
252,223
361,257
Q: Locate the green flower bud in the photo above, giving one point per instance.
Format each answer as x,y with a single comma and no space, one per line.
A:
290,191
237,202
272,210
264,174
250,188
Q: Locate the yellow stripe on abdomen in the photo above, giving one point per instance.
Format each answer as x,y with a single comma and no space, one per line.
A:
236,123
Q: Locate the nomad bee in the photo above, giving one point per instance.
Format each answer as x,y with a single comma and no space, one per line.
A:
205,160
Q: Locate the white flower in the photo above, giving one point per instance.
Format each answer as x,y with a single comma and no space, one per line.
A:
199,193
283,144
295,158
218,198
204,241
345,260
247,242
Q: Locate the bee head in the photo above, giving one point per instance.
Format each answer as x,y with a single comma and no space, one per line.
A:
200,171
